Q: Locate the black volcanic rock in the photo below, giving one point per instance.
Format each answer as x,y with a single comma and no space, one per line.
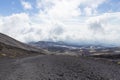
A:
52,67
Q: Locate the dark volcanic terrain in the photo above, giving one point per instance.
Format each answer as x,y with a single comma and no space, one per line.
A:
51,67
12,48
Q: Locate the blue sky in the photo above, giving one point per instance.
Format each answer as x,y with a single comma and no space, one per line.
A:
74,21
8,7
110,6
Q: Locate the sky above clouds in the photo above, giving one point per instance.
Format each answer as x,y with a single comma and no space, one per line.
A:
74,21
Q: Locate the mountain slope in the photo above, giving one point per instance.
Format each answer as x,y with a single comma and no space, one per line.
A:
12,48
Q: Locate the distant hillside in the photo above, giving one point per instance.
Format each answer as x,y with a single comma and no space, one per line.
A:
54,46
10,47
85,50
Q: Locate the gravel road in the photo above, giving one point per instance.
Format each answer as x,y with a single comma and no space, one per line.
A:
53,67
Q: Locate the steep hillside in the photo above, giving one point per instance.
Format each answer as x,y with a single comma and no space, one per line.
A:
10,47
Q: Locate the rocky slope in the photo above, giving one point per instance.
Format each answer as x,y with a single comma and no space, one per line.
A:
10,47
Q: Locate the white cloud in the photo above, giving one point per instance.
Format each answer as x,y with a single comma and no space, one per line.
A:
106,27
67,8
88,11
59,8
62,20
26,5
15,25
100,29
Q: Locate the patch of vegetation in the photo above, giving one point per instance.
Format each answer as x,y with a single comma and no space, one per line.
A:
118,62
2,55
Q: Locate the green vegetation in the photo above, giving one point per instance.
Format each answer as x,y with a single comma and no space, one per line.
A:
2,55
118,62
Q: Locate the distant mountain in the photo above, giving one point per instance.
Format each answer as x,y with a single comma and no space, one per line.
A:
51,46
10,47
60,44
62,47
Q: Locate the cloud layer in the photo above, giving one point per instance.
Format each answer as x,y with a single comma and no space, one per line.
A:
26,5
74,21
